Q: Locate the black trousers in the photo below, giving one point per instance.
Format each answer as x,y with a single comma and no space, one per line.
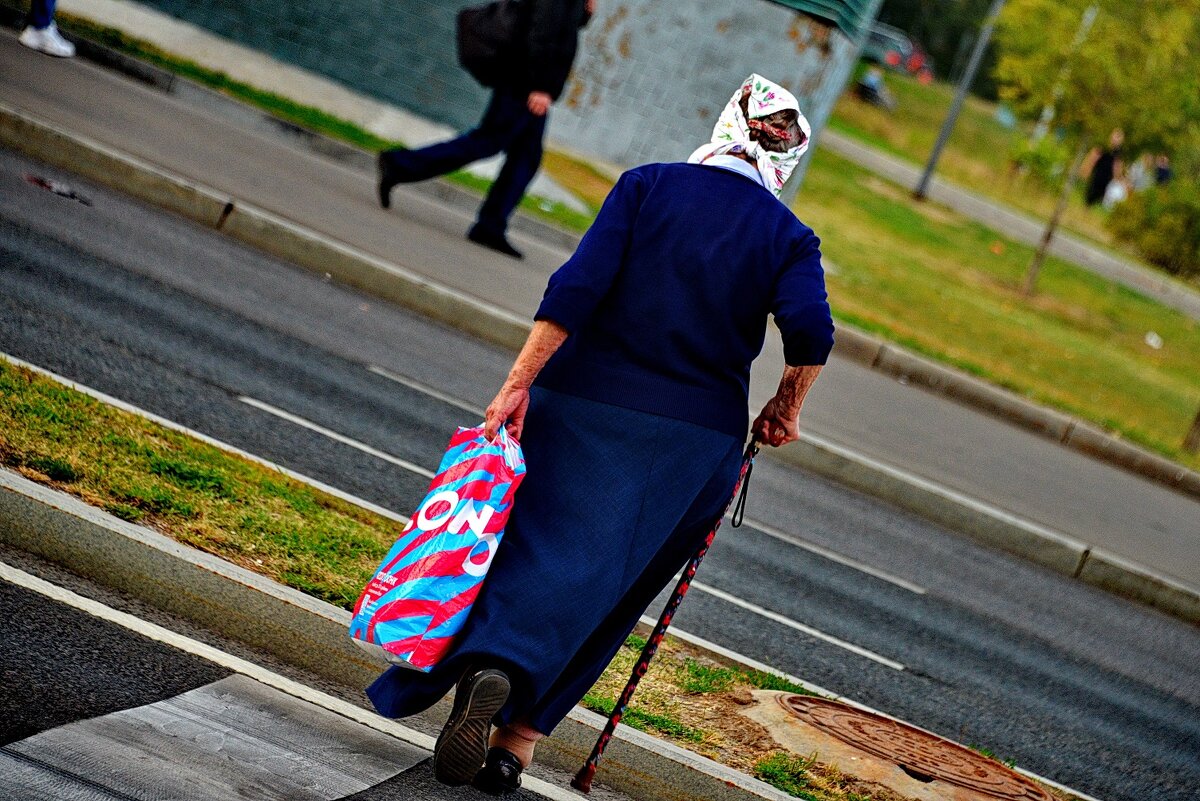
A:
507,126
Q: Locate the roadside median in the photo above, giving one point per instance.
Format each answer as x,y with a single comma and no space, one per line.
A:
346,264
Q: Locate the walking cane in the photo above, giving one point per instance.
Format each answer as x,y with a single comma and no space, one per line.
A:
583,779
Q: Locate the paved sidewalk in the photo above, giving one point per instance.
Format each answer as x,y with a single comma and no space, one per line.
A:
929,436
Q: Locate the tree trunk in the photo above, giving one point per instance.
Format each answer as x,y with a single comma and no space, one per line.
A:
1040,255
1191,443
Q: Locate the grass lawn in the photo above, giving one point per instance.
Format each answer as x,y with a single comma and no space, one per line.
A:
925,277
977,155
198,494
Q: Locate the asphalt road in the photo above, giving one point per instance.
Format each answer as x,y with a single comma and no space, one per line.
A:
1074,684
928,435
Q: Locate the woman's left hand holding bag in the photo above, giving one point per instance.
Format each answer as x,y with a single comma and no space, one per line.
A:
512,401
507,409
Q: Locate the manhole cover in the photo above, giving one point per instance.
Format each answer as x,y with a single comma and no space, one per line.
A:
924,756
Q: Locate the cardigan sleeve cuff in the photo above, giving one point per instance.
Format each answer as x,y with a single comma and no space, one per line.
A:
808,346
557,310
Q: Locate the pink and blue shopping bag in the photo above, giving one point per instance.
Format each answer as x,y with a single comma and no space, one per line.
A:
421,594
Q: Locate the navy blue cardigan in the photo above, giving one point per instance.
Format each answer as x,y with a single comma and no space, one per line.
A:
667,297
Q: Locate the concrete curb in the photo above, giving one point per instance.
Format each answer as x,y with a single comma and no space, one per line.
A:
277,236
994,527
311,634
1062,428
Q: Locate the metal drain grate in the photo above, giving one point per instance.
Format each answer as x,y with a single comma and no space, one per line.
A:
923,756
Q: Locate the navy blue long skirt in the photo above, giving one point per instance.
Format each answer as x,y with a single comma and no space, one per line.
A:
614,502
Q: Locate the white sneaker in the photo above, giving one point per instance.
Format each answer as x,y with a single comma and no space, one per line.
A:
48,40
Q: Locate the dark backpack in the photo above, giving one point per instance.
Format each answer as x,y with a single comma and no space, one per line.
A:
489,41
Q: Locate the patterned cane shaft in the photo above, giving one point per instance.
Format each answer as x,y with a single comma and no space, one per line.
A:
583,779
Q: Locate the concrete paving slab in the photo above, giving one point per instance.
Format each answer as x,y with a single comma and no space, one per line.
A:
230,739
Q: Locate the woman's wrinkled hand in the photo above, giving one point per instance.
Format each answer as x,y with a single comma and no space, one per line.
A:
506,409
776,425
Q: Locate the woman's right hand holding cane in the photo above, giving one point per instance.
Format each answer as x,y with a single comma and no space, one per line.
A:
779,421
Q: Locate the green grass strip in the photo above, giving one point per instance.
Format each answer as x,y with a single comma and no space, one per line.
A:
643,720
786,772
201,495
699,678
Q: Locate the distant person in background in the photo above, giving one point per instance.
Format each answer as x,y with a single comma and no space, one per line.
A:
1102,166
1141,173
1162,169
872,89
1115,193
514,122
42,34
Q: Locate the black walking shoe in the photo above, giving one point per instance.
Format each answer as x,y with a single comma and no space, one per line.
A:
496,242
462,745
387,180
501,773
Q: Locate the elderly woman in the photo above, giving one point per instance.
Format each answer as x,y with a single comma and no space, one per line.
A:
630,398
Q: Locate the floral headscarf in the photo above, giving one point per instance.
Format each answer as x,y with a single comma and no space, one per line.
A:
732,131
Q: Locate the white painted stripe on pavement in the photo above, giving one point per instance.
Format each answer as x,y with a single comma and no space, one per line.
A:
412,383
238,665
833,556
946,492
787,621
216,443
325,432
742,659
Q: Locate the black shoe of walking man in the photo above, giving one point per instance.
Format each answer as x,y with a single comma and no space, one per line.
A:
493,241
463,744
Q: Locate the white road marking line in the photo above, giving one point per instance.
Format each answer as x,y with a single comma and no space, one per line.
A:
742,659
947,493
833,556
216,443
412,383
236,664
787,621
325,432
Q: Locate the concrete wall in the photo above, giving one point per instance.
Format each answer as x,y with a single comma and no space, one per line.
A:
652,76
649,81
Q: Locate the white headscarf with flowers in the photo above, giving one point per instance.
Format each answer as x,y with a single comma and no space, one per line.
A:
732,131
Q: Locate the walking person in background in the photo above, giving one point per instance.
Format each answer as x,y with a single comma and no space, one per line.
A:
514,122
630,400
41,33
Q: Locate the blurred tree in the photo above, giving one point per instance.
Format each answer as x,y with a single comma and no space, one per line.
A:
947,30
1137,70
